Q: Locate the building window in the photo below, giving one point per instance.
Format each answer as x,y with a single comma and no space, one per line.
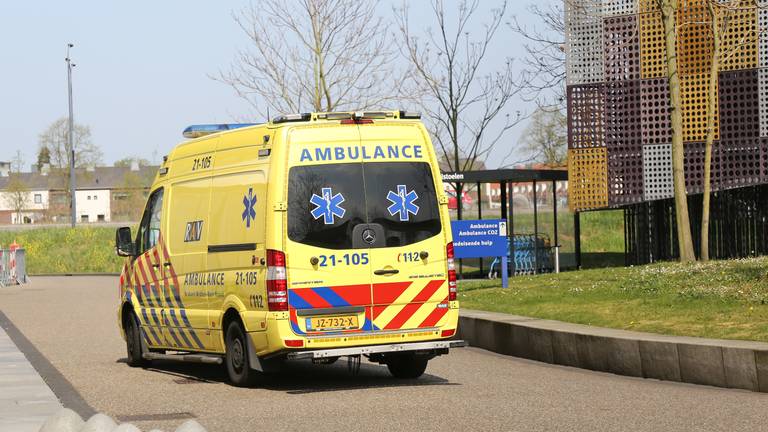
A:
89,197
95,197
38,199
84,218
100,218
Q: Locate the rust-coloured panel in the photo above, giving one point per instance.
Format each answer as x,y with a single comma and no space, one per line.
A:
694,38
587,179
739,41
653,62
694,95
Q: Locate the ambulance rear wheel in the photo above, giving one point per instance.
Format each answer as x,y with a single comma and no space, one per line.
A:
133,342
407,366
236,358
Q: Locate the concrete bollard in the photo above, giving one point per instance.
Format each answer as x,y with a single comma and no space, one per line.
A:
65,420
99,423
190,426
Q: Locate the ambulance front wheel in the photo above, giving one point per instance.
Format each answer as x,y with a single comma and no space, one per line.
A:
407,366
133,342
236,358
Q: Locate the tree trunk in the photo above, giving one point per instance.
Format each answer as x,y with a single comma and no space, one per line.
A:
711,106
684,239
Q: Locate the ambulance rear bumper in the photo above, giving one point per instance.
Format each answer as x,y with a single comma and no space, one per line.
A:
436,348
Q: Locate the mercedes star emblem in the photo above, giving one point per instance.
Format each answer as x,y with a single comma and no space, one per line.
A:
369,236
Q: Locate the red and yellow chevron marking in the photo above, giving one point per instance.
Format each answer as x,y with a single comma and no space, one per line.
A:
407,305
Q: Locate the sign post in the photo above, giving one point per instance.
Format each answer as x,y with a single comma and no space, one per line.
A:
482,238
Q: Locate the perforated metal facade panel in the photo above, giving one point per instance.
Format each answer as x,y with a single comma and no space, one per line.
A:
740,40
764,160
655,121
584,42
586,112
740,163
739,112
625,177
587,179
694,38
694,167
762,41
619,99
652,47
762,99
622,48
622,116
694,93
657,171
619,7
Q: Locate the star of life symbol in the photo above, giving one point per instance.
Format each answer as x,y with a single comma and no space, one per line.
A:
403,203
249,214
327,206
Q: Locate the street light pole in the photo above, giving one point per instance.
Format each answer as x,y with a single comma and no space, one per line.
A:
73,205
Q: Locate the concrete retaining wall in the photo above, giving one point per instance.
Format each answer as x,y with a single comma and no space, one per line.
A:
721,363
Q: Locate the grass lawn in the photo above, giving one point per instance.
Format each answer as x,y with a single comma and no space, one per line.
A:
65,250
721,299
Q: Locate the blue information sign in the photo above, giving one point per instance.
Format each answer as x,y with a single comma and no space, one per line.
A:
482,238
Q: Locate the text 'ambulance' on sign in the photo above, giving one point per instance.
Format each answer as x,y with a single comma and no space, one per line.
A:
480,238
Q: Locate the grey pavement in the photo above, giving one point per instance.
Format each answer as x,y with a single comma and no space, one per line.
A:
74,326
25,400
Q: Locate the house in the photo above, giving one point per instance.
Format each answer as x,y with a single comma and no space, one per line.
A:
103,194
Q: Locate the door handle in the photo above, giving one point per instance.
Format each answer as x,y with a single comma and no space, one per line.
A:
386,272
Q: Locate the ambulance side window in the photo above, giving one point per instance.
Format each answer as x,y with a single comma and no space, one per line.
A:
149,229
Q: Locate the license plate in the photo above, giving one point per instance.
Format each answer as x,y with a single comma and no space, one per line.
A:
343,322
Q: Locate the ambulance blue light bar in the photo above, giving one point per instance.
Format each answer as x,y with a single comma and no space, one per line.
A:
196,131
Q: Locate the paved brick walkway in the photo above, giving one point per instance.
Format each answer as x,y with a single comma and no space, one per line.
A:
25,399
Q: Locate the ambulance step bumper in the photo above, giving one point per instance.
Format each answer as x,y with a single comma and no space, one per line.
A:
191,358
378,349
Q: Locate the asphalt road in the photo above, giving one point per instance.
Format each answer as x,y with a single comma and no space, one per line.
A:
71,321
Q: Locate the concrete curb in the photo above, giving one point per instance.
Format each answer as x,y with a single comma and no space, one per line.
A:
715,362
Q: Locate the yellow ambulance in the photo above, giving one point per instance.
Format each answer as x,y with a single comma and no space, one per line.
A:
314,236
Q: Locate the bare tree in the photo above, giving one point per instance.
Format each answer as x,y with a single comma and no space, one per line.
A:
545,137
466,108
17,163
16,195
721,15
544,43
327,55
669,9
54,138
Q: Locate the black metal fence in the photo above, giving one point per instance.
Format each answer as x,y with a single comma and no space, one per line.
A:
738,226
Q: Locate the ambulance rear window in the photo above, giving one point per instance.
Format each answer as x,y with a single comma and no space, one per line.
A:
326,202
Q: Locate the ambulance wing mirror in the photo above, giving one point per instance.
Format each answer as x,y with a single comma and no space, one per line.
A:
124,242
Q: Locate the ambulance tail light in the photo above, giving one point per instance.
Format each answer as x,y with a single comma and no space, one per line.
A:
452,289
277,285
356,121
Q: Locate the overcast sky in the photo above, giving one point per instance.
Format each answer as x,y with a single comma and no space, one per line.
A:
142,69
